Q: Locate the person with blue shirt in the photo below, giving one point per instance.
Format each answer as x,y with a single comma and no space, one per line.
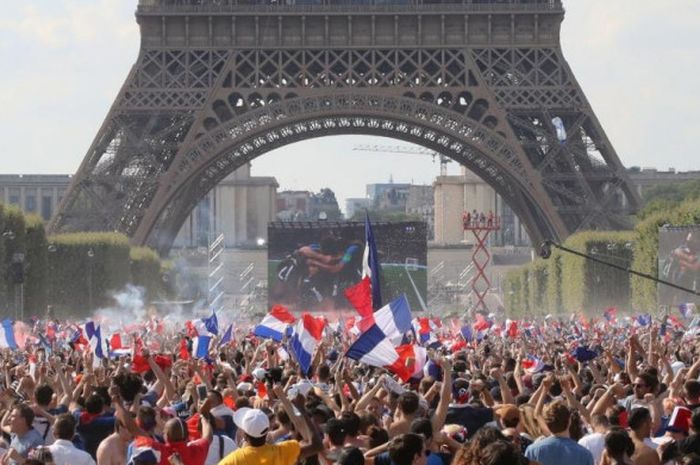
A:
558,448
17,422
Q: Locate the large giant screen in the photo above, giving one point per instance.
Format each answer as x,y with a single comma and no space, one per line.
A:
679,250
310,264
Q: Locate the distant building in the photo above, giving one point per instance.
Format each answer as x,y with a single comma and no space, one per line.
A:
34,193
240,207
421,202
468,192
354,205
388,196
646,178
294,205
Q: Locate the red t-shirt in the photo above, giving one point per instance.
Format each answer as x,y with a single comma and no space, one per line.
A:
192,453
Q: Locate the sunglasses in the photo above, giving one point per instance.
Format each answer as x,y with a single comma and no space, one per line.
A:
637,385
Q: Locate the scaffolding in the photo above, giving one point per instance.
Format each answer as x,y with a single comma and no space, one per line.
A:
481,257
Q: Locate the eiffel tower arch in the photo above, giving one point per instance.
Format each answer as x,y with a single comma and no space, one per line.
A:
220,82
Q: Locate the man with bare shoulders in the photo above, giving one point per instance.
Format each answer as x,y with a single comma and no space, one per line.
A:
640,423
112,451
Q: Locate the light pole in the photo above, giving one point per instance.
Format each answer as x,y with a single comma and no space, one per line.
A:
91,255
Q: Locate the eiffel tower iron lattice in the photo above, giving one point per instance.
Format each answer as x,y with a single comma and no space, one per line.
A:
220,82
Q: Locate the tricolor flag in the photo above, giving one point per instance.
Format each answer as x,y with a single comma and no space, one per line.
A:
533,364
211,323
200,349
94,338
466,333
481,323
511,329
374,348
394,319
423,328
610,314
360,297
370,264
307,335
643,319
228,335
275,324
687,309
7,335
116,348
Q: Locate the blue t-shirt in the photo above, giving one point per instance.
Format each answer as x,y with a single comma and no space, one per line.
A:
556,451
29,441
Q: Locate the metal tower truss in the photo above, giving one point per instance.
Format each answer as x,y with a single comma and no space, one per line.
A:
218,83
215,276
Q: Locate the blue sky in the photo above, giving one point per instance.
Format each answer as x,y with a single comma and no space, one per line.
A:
638,62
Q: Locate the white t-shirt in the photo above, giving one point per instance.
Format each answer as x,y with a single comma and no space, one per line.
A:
595,443
219,447
65,453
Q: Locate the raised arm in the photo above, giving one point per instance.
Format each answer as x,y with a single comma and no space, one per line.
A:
310,445
445,396
506,395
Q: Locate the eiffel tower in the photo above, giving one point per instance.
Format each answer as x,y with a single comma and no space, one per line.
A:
220,82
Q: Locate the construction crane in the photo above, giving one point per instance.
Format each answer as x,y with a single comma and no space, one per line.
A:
409,149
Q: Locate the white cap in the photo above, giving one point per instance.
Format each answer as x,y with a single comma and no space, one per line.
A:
252,421
259,373
244,387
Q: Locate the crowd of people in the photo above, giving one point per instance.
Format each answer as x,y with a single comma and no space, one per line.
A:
550,392
475,219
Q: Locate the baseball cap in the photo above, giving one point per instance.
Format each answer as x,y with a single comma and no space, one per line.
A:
252,421
259,373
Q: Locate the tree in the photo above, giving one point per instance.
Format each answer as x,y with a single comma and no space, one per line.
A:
325,201
668,196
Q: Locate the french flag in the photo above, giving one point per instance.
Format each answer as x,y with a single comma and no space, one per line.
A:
533,364
374,348
211,323
307,335
275,324
228,336
466,332
643,319
511,329
424,330
116,347
200,347
394,319
610,314
687,309
94,338
482,324
370,264
7,336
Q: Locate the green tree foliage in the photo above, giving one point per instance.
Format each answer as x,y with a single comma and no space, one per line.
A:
512,284
537,283
146,270
668,196
84,268
325,201
3,267
36,266
378,215
646,255
567,283
589,286
553,297
14,236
